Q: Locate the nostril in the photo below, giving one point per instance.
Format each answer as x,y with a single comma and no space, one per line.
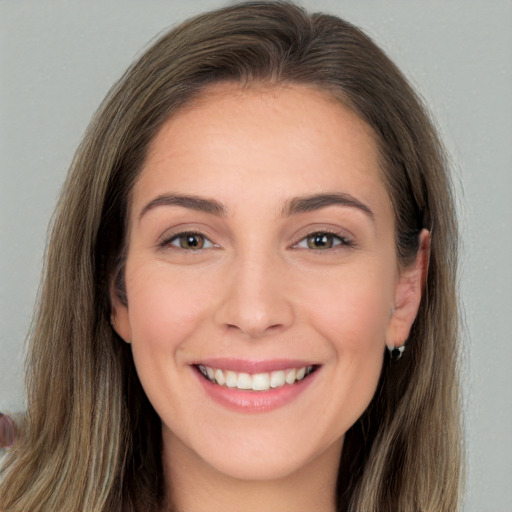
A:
255,330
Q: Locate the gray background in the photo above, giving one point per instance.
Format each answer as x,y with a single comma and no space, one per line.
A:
58,59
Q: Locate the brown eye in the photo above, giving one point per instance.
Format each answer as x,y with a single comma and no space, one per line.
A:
320,241
323,241
190,241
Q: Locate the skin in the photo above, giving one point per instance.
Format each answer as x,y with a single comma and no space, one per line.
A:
7,431
258,291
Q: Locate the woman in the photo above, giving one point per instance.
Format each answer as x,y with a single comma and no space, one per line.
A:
191,355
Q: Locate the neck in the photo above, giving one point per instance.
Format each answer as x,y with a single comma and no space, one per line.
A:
194,485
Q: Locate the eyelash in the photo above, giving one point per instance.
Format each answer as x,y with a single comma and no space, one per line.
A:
342,241
337,241
168,241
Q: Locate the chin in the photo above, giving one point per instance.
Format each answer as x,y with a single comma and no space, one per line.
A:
263,467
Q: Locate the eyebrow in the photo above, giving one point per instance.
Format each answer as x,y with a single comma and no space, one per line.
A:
317,201
293,206
201,204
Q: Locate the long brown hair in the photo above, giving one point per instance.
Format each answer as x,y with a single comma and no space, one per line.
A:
92,441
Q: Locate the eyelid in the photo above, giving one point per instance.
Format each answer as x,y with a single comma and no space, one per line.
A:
345,241
167,238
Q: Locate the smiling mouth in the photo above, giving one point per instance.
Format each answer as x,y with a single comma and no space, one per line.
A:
255,381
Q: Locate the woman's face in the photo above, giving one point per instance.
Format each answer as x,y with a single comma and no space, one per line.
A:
262,280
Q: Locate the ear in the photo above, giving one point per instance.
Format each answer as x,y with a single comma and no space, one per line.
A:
408,292
119,317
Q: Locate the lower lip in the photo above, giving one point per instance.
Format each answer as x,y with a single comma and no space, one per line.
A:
255,401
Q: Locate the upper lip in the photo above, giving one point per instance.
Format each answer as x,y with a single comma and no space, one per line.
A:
253,366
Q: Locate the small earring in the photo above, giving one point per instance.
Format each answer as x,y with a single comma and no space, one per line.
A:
396,352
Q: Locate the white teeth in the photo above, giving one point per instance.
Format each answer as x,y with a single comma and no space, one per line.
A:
277,379
244,381
231,379
290,376
261,382
219,377
257,381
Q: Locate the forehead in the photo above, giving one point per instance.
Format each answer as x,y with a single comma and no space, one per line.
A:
305,108
292,136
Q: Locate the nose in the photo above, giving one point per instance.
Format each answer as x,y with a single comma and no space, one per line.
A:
256,298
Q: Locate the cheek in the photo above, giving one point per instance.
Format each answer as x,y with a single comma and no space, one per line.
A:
164,309
353,312
348,314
